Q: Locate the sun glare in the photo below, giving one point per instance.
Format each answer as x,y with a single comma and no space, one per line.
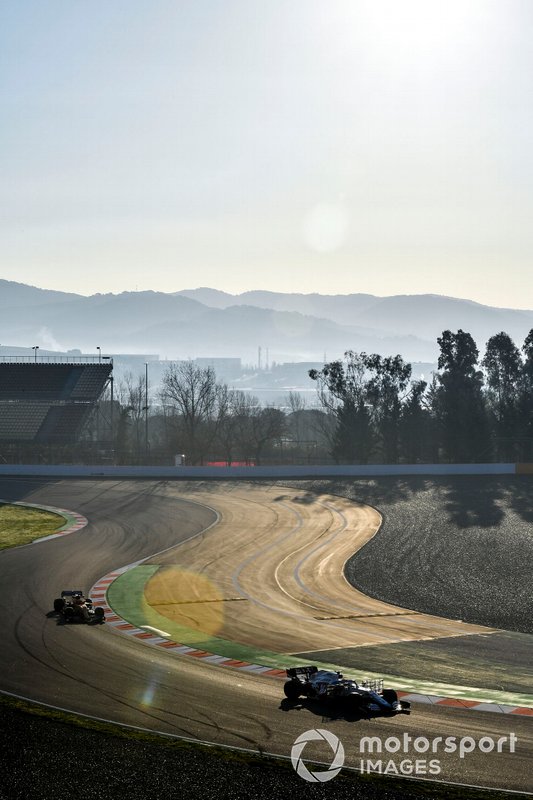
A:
406,32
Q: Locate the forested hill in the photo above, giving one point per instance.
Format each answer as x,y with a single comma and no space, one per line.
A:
211,323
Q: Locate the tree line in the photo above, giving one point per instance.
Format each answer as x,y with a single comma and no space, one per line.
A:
197,416
371,410
472,410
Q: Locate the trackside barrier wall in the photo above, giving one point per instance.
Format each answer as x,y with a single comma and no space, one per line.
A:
275,472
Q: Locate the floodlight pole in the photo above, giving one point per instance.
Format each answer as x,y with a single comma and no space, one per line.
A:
112,418
112,411
146,410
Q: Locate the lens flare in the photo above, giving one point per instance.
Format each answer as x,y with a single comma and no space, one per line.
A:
148,695
186,598
325,228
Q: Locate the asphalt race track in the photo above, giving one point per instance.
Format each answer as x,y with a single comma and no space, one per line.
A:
474,548
468,542
271,575
94,670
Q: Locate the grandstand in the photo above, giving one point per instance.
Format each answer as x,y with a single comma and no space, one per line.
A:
49,403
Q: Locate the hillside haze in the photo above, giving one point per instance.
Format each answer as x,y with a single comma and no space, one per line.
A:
207,322
424,315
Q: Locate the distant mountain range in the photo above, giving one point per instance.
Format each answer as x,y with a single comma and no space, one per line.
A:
206,322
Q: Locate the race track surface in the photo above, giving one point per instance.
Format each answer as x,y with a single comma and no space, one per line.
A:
94,670
271,574
468,540
460,547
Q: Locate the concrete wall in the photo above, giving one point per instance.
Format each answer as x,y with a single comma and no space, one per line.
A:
313,471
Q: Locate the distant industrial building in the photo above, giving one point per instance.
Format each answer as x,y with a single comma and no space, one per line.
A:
224,368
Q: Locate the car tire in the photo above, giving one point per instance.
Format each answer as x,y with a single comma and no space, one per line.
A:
356,702
68,613
59,604
292,690
99,613
390,696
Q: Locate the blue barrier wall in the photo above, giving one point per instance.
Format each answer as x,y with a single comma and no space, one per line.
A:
312,471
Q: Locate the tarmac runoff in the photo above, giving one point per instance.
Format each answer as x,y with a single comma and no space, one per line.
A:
124,596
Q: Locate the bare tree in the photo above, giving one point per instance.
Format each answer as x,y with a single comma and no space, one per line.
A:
268,426
295,422
243,408
130,393
197,404
226,436
249,428
295,402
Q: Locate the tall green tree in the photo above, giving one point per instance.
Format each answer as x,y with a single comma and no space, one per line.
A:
458,402
343,393
503,366
415,425
388,378
364,393
525,401
353,438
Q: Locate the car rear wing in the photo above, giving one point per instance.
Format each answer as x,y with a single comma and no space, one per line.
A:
293,672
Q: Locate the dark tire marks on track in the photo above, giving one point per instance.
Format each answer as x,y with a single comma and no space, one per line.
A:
461,547
93,670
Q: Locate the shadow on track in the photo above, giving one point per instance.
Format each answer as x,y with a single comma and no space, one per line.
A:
330,711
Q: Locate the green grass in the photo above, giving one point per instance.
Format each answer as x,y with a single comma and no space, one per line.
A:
21,524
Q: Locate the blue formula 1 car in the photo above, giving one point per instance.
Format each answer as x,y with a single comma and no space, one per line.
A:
368,697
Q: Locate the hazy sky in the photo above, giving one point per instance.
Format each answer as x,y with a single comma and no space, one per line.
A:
337,146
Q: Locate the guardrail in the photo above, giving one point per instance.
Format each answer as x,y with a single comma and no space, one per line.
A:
33,359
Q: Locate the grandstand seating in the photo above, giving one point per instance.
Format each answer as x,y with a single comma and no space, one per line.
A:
21,421
63,423
48,402
23,381
91,382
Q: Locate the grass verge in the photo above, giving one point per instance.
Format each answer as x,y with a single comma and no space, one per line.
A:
21,524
